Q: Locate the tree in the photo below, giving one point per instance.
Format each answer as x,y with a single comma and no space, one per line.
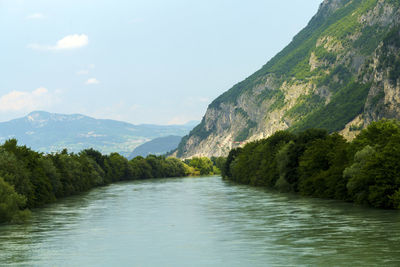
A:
15,173
203,165
321,168
10,203
358,183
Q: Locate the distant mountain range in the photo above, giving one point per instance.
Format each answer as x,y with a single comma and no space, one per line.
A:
157,146
50,132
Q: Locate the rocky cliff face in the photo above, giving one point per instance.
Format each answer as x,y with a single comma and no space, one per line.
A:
340,73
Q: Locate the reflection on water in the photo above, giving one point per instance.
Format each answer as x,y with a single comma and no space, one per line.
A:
198,222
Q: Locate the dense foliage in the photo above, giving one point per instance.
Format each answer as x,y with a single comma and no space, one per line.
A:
344,110
29,179
315,163
204,165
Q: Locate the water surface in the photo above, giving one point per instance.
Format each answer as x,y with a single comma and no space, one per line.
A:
201,222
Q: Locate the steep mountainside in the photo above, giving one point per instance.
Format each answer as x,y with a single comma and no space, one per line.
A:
157,146
49,132
340,73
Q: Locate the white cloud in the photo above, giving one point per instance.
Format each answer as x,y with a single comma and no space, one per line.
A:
35,16
40,91
92,81
67,43
72,41
27,101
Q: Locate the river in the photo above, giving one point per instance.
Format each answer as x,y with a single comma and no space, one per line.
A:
201,222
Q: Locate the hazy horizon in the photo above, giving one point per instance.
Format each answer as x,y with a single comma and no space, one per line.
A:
141,62
191,122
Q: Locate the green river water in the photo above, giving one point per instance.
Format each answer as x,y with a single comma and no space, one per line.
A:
201,222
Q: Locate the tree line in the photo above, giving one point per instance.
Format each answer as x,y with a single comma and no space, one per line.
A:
29,179
315,163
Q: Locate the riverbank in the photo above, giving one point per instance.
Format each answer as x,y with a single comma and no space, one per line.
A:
317,164
29,179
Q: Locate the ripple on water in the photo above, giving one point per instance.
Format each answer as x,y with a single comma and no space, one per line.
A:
201,222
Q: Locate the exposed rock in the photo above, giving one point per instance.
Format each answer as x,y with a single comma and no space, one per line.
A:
353,128
313,75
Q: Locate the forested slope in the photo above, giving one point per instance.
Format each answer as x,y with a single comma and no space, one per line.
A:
341,72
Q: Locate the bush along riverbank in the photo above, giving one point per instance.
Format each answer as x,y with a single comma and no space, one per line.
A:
315,163
29,179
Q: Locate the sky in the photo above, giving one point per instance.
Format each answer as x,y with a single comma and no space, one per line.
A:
140,61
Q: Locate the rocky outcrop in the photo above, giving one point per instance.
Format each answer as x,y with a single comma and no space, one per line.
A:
341,72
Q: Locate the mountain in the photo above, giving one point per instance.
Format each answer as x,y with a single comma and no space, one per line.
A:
49,132
157,146
340,72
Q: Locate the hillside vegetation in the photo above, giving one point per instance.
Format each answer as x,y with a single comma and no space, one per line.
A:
340,73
